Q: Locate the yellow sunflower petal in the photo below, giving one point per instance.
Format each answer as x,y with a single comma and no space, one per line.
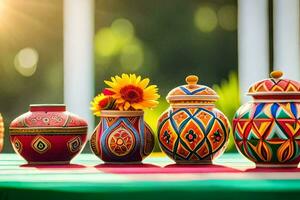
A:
110,84
138,79
119,101
133,92
132,78
118,79
144,83
117,95
150,104
113,79
126,77
126,105
95,108
137,106
151,96
122,80
151,87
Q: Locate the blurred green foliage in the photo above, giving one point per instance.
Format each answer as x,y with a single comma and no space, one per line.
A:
229,100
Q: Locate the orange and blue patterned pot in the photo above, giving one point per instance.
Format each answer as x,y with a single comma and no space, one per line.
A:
267,129
192,130
122,136
48,134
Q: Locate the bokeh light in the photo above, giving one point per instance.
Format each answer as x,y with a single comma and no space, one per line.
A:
132,57
106,42
119,40
26,61
110,40
227,16
205,19
123,30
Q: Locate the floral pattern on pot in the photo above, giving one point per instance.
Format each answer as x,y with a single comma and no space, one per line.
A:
192,130
193,135
48,134
122,136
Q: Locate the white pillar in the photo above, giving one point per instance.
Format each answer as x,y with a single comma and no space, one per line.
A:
253,45
286,37
78,57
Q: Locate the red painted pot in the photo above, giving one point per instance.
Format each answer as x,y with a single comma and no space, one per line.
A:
48,134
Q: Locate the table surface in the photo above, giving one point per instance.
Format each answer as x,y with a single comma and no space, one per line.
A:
231,176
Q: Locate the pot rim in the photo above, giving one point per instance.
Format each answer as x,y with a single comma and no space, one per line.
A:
48,130
271,93
193,98
275,100
47,104
121,113
47,107
192,105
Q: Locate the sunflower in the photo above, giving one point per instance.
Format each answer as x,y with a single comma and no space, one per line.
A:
131,92
102,102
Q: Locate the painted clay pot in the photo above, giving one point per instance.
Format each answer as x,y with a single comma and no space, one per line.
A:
122,136
267,129
192,130
1,132
48,134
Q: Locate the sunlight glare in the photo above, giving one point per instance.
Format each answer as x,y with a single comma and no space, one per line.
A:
2,8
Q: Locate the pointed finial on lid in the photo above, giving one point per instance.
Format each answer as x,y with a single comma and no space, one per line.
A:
191,79
276,74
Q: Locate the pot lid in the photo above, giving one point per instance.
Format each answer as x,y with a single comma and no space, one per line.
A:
192,92
275,85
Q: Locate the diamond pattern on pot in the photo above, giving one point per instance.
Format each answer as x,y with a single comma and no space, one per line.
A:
18,145
179,117
41,144
168,137
271,134
216,136
192,135
205,118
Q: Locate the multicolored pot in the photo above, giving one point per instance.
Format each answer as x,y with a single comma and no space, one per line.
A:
267,129
122,136
192,130
48,134
1,132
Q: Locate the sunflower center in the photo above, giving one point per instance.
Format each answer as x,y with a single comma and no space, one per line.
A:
132,94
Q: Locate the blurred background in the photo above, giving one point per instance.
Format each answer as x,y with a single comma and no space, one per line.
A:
163,40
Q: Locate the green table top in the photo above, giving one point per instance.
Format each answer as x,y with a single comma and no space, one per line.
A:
231,177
